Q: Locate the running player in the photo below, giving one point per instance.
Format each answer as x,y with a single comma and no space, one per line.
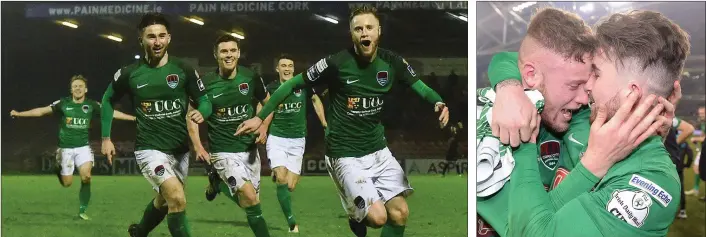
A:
232,90
160,87
371,183
75,114
287,140
635,196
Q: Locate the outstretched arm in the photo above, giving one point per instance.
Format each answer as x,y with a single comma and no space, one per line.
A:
123,116
36,112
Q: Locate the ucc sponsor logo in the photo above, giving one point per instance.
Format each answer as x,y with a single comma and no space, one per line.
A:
76,121
290,107
356,103
161,106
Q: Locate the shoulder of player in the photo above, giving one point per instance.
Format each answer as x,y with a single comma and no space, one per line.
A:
180,63
127,70
387,55
273,85
246,72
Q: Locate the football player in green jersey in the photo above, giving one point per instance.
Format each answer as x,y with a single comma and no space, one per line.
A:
370,181
287,136
697,140
235,161
160,87
571,143
75,114
634,196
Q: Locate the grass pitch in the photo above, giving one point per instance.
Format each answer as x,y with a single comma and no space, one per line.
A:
34,206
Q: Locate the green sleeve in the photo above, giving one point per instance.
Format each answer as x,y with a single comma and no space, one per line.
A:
115,91
404,71
619,208
320,72
195,86
107,111
204,106
96,109
579,181
280,94
425,92
260,89
56,106
503,66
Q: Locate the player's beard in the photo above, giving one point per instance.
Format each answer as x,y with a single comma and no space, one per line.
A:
373,46
153,57
549,112
611,107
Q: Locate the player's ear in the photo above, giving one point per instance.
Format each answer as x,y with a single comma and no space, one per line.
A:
635,88
530,75
169,38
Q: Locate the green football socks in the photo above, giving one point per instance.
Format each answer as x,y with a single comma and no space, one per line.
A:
256,221
84,196
151,217
285,201
178,225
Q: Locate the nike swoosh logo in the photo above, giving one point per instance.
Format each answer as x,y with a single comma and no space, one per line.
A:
216,96
140,86
571,138
351,82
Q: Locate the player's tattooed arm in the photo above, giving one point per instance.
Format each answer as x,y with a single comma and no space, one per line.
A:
515,114
319,109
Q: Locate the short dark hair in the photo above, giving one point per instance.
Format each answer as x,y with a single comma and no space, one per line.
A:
225,38
649,42
78,78
152,18
363,9
283,56
562,32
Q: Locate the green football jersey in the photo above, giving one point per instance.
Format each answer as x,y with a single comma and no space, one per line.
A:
356,98
75,120
289,120
160,97
557,154
638,196
234,101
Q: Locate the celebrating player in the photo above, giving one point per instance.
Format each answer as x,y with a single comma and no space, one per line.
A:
634,196
235,159
696,139
287,140
161,87
371,183
76,113
576,43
